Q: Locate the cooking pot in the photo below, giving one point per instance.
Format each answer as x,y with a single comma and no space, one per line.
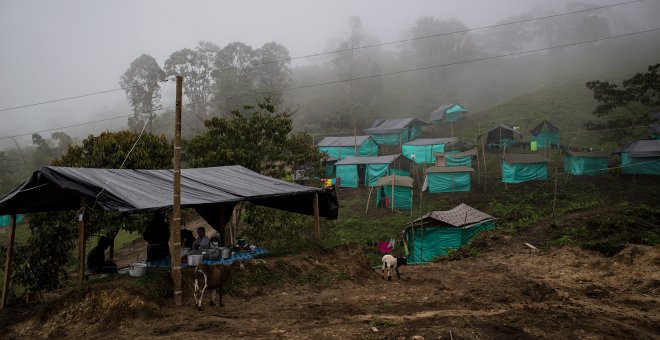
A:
137,269
194,260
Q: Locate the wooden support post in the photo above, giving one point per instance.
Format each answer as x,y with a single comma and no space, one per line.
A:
223,224
175,238
8,261
81,242
369,200
483,152
317,220
554,197
392,200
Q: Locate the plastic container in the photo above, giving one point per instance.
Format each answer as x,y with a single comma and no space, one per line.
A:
194,260
137,269
225,252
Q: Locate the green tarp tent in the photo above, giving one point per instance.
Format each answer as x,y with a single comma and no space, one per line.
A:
640,157
447,179
368,169
399,187
395,131
447,113
435,233
500,136
5,220
519,168
585,163
461,158
422,151
545,134
342,147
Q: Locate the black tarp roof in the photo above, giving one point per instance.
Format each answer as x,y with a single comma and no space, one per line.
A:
499,132
545,123
396,125
134,191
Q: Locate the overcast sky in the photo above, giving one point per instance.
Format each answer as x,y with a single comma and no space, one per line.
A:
55,49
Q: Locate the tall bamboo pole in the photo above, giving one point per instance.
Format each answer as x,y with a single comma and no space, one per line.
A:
175,240
8,259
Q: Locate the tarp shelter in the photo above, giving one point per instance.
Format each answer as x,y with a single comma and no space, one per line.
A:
330,167
342,147
654,129
435,233
447,113
545,135
422,151
500,136
368,170
395,131
394,192
640,157
585,163
461,158
447,179
5,219
519,168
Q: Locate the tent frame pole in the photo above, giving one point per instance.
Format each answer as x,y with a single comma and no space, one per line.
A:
175,238
8,261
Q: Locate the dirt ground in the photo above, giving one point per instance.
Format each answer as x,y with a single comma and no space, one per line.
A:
508,292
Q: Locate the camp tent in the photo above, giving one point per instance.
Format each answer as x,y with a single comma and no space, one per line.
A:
640,157
461,158
399,187
367,170
654,129
447,179
545,134
435,233
447,113
342,147
395,131
519,168
585,163
423,150
500,136
5,220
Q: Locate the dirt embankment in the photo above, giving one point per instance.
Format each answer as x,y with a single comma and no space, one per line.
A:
516,293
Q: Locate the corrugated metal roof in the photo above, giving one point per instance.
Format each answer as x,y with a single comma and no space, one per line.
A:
432,141
368,160
594,154
403,181
448,169
524,158
395,125
342,141
459,216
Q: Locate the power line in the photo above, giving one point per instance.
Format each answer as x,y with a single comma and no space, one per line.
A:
430,36
75,97
442,65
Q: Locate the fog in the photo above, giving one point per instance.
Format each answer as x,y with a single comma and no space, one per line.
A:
60,49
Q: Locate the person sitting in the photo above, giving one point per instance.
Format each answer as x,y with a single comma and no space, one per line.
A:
157,234
202,241
96,262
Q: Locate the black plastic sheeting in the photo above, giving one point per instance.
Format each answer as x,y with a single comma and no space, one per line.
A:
137,191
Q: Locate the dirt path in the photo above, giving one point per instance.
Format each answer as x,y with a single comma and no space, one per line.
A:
516,294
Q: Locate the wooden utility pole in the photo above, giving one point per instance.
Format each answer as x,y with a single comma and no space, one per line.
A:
8,259
81,242
175,240
317,219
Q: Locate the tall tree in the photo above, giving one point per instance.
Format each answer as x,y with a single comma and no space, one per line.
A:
273,71
196,66
235,75
627,106
141,82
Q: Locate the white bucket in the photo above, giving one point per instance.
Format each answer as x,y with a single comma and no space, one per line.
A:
194,260
225,252
137,269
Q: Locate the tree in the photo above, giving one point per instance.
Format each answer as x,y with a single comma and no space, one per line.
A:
273,71
623,108
141,82
196,66
235,75
258,138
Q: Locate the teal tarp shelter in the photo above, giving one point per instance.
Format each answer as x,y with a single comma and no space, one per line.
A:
447,113
585,163
423,150
435,233
640,157
447,179
461,158
342,147
519,168
500,136
395,131
367,170
545,134
399,187
6,219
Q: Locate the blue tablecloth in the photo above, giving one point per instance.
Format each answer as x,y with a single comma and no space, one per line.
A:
238,256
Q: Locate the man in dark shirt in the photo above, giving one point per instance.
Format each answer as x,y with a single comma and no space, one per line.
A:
96,262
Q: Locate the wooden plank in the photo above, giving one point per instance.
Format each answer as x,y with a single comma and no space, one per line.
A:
529,245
